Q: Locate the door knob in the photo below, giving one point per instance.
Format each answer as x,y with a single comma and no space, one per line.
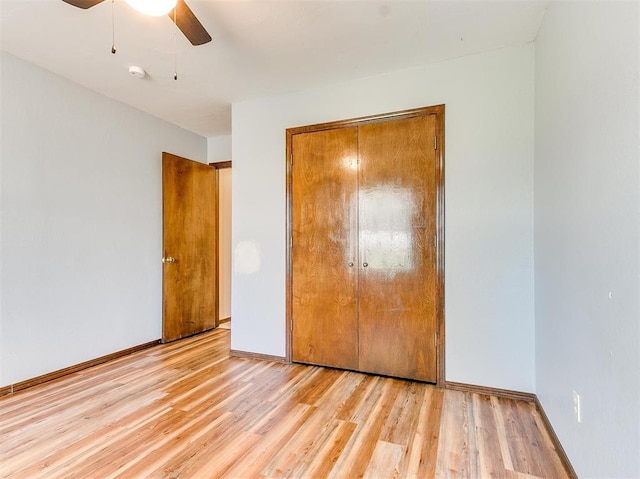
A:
350,264
169,260
365,265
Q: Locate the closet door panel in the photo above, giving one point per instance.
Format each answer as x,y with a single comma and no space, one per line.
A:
324,227
397,226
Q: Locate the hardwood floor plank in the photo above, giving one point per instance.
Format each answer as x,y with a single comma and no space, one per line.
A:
298,452
326,458
553,461
364,385
402,421
188,410
384,461
543,454
311,437
365,437
71,425
423,447
209,464
453,450
490,461
518,443
163,453
78,452
502,440
253,463
471,437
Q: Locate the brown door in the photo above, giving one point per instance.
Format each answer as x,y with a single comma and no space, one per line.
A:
366,283
324,248
189,245
398,267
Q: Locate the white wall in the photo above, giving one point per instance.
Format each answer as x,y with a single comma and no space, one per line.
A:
81,222
218,148
489,206
587,232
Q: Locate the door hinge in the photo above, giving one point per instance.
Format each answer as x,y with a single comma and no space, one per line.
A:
291,242
435,142
291,159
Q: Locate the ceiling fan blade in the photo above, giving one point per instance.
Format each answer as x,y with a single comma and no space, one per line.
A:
188,24
83,3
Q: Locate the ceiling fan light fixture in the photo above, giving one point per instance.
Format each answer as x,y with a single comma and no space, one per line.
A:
154,8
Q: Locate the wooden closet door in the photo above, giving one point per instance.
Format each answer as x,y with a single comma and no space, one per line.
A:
324,248
398,265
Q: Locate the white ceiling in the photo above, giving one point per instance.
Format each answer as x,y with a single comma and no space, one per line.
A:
259,47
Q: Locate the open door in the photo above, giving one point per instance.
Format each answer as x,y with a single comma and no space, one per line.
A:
189,303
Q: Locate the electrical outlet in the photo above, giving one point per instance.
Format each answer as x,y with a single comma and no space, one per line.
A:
577,407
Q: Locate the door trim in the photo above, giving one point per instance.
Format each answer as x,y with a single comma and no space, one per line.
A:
438,111
220,165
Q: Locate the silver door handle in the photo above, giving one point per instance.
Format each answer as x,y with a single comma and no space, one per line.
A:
169,260
350,264
365,264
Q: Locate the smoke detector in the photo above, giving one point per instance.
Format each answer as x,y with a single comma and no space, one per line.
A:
137,72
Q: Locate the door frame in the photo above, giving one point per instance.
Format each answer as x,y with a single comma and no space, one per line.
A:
220,165
438,111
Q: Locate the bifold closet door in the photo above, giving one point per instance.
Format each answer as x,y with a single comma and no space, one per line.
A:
397,228
324,203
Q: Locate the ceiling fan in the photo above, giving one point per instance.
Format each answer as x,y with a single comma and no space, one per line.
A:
184,18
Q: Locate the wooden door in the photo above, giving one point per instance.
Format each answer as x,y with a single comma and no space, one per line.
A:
189,246
324,252
398,264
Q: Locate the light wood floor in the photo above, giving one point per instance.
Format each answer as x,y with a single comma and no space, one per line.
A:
188,410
